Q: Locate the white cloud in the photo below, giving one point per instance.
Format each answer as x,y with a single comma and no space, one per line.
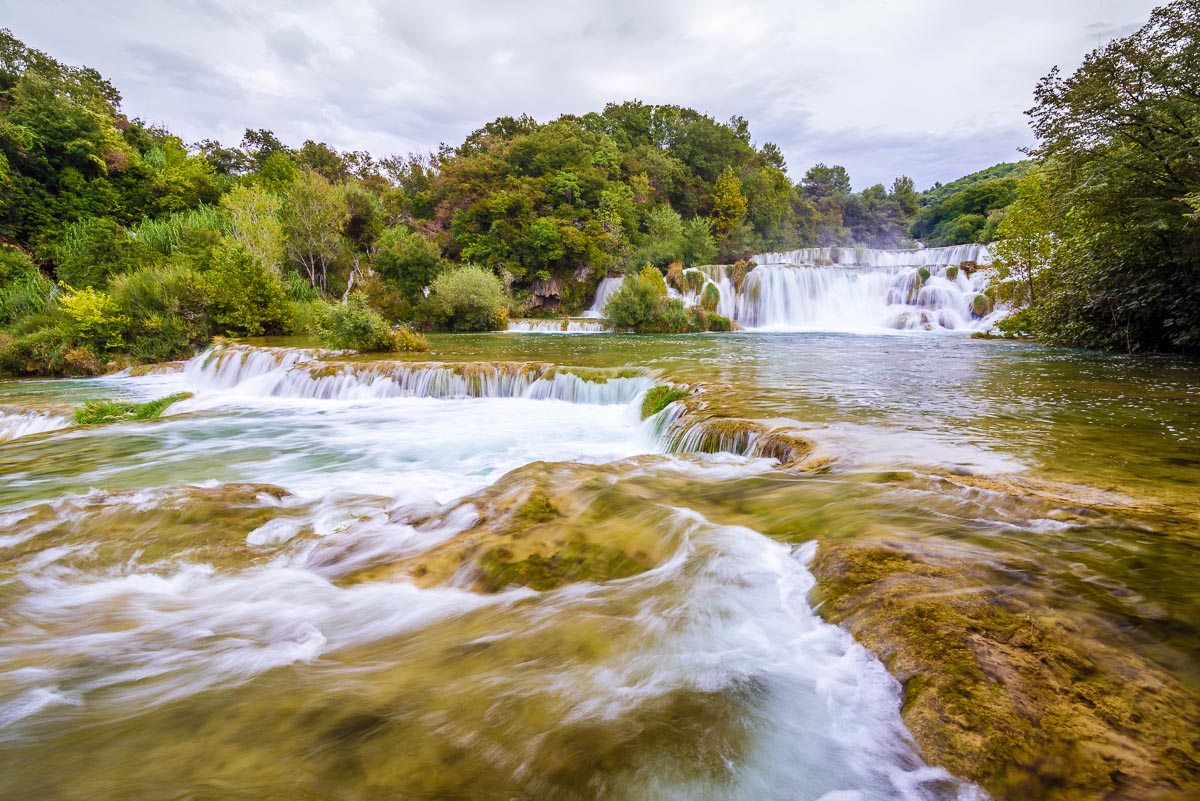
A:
931,88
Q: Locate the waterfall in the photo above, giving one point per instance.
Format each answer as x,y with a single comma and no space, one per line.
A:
869,257
296,373
864,290
858,290
603,292
26,422
861,299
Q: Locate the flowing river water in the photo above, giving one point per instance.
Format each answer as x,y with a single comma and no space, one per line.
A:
480,574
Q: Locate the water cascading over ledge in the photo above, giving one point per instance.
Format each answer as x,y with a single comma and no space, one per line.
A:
858,290
324,375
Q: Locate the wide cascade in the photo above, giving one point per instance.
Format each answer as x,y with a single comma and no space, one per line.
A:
862,290
857,290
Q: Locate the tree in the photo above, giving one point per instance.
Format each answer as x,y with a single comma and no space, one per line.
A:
728,203
697,245
1027,245
314,213
1118,139
256,227
407,261
824,181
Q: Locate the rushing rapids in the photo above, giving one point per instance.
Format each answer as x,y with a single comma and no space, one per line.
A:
17,423
487,577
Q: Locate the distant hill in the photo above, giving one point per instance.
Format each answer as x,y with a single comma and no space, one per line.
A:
967,209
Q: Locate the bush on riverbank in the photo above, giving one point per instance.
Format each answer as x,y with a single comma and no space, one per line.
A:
467,298
641,305
354,325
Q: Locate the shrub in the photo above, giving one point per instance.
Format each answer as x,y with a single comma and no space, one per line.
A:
100,411
93,319
247,299
675,275
467,298
46,351
25,297
718,323
1018,324
91,251
635,304
651,274
169,233
406,339
407,260
711,298
15,266
355,325
660,397
167,310
924,273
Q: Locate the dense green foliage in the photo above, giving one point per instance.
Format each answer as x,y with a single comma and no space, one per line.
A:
120,244
1105,238
641,305
102,411
468,298
354,325
969,209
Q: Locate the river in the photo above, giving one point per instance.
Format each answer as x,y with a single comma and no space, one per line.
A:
480,574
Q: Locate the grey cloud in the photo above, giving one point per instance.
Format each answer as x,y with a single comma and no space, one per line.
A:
931,88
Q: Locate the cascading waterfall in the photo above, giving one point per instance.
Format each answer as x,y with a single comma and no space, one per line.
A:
857,290
301,374
866,290
870,257
27,422
605,289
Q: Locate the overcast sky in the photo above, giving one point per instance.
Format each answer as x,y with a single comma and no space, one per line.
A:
929,88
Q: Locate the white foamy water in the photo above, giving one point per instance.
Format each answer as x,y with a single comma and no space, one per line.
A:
383,459
724,618
857,300
604,291
17,424
850,290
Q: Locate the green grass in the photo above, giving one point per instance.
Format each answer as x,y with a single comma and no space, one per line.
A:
100,412
659,398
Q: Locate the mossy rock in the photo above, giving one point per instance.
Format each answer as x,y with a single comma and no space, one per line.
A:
1002,688
952,273
925,274
660,397
537,509
576,561
982,305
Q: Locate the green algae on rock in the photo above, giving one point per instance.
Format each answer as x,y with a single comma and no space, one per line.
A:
1029,702
660,397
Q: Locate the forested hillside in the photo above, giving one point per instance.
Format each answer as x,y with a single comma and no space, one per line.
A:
120,242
